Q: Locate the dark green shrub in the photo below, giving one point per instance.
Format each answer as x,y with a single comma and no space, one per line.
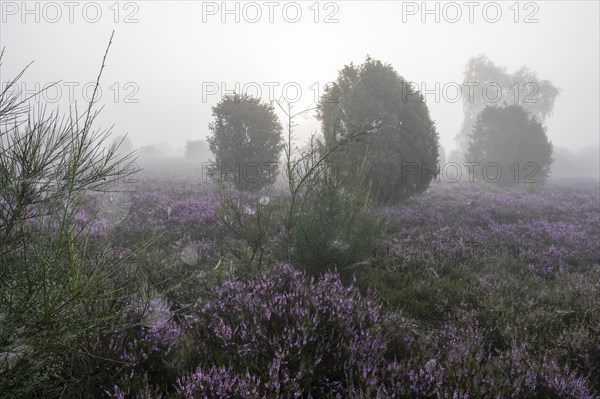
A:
402,152
246,141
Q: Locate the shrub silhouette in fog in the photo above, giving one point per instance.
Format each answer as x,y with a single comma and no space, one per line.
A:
515,142
197,150
246,141
373,94
490,84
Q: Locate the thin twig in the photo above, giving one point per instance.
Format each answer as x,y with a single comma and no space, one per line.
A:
91,103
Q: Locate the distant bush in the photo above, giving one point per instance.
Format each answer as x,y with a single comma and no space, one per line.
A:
480,69
246,142
582,163
149,152
515,142
197,150
124,145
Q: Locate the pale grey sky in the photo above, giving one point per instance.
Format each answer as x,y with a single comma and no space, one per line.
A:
176,59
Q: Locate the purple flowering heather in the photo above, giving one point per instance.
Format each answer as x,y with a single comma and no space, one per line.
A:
150,355
454,223
286,336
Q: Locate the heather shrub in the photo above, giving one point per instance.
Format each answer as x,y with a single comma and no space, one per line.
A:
455,361
284,335
245,353
558,316
174,227
150,354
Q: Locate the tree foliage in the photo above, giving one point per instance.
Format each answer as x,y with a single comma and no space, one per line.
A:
514,140
488,84
246,141
373,95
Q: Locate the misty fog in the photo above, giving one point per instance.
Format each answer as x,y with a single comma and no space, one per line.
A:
280,199
170,64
